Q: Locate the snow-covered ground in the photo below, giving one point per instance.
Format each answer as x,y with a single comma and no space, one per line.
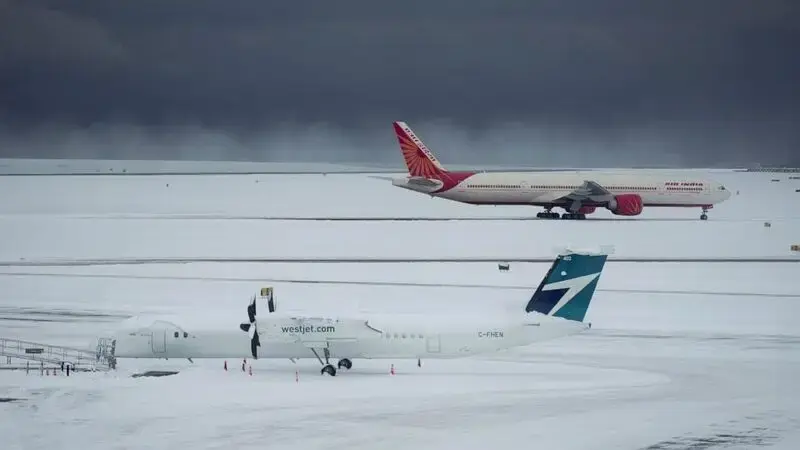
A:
679,355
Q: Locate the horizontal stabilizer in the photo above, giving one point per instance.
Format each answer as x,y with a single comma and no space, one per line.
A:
424,182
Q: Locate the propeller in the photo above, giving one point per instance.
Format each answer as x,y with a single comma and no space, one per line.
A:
252,328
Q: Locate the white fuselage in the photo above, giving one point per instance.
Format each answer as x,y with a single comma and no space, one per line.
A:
344,338
527,188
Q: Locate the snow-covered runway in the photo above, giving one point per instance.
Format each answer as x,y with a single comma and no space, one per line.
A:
608,389
679,355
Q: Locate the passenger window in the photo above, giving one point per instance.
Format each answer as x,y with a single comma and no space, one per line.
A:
176,334
185,334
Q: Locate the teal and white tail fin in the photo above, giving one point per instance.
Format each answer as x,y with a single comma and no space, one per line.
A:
569,286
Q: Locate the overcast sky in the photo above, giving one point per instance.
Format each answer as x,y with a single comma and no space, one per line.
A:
565,82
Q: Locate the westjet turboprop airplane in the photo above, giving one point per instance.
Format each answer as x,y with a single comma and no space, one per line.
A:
578,193
557,308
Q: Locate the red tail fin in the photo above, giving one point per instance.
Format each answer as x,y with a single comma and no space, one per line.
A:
419,160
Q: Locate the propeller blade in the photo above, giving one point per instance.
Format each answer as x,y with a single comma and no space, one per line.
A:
254,344
251,310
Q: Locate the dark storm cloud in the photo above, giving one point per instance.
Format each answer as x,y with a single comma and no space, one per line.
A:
656,82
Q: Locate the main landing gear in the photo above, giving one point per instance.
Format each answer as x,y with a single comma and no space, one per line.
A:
327,367
346,363
548,214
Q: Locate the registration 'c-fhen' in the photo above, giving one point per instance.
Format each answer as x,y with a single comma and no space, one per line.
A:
557,308
577,192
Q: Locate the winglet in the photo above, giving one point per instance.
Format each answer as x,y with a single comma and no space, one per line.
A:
419,159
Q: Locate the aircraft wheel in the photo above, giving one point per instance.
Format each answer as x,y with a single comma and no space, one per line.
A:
547,215
346,363
329,369
703,217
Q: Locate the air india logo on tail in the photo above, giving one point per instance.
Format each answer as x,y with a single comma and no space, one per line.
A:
419,160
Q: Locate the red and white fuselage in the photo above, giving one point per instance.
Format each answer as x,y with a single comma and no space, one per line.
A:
578,192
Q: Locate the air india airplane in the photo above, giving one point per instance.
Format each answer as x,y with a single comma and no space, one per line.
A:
557,308
579,193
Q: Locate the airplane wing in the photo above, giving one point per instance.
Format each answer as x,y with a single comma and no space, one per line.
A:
588,191
553,196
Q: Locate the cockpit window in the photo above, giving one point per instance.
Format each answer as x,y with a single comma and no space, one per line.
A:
721,188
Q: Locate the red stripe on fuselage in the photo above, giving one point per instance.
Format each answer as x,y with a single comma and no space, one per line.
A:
451,180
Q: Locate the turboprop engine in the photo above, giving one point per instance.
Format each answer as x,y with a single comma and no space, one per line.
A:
626,205
251,327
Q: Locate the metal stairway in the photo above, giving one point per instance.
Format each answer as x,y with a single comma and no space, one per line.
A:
52,355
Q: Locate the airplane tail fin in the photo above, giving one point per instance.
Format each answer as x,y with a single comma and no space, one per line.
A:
569,285
419,160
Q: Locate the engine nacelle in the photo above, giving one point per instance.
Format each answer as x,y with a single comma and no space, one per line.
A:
586,210
268,294
251,327
626,205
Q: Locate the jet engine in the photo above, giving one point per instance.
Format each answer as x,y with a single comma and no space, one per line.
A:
626,205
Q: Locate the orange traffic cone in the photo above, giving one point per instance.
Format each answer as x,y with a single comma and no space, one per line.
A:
250,370
225,366
391,370
296,376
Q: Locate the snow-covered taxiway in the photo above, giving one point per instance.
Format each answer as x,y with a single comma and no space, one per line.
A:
681,355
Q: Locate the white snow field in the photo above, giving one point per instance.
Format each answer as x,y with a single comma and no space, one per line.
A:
680,355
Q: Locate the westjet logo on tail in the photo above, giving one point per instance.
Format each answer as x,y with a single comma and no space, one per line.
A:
568,287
